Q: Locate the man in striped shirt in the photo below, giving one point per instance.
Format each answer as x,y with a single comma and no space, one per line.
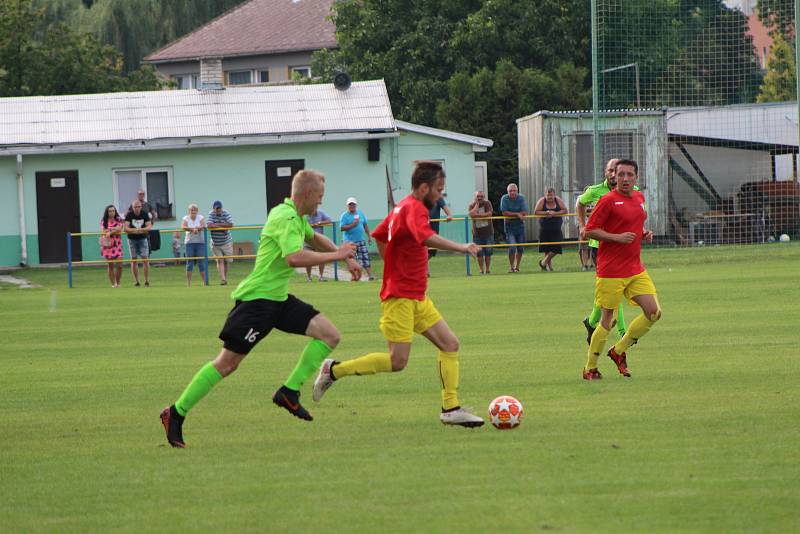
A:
221,240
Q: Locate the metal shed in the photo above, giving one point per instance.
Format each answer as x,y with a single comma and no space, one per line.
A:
556,150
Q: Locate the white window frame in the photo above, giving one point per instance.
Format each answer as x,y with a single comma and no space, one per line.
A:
298,69
143,185
193,80
228,76
258,75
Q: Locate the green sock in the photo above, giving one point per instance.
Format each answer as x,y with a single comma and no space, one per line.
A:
621,328
594,317
308,364
205,379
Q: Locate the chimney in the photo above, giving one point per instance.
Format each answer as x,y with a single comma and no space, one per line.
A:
211,74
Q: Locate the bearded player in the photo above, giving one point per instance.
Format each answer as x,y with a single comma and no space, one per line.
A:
403,239
618,223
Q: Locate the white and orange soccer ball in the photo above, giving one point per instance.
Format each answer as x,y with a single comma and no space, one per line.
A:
505,412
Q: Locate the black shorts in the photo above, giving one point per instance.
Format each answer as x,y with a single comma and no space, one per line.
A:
250,321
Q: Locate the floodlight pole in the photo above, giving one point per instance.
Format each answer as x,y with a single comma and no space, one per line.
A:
596,95
797,77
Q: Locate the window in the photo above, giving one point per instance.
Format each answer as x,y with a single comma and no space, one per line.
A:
303,71
618,144
240,77
186,81
156,183
263,76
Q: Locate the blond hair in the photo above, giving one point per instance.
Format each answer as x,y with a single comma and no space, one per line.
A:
305,180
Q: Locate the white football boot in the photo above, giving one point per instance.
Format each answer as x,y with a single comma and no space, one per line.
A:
460,417
324,380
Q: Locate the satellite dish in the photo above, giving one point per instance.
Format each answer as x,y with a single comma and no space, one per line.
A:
341,80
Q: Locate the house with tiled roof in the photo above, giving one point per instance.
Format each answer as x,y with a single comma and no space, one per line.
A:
256,42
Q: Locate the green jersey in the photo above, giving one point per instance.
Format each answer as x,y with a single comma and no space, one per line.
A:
284,233
592,194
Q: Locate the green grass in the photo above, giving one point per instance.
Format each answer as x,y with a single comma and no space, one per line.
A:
703,438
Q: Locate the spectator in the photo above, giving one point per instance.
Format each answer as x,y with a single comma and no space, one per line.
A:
194,223
176,245
317,220
513,205
551,208
145,206
221,240
436,213
482,229
111,226
355,230
137,225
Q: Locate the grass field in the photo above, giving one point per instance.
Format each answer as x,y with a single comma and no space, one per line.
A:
703,438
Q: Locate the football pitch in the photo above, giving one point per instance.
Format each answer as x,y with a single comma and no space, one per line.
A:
703,437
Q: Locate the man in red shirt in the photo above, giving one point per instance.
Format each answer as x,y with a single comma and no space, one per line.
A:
403,239
618,223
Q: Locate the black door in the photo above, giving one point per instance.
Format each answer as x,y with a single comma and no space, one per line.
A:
58,212
279,179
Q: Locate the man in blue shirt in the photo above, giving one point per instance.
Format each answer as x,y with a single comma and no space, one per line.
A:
513,205
355,229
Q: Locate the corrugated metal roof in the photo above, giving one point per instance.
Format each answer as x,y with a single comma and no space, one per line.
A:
157,115
256,27
446,134
771,123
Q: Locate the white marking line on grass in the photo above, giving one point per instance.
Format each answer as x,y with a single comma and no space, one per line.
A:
21,282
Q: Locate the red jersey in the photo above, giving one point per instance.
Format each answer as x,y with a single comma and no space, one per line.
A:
617,213
405,260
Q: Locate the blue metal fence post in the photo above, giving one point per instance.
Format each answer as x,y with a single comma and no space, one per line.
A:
205,251
69,259
466,240
336,263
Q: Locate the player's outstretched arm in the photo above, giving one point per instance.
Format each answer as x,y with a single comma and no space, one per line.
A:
441,243
307,258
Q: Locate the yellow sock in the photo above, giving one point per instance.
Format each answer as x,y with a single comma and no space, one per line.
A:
597,345
448,374
639,327
369,364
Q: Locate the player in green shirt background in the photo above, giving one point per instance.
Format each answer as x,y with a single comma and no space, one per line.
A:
263,302
589,197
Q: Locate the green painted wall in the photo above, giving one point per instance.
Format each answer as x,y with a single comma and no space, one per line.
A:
236,176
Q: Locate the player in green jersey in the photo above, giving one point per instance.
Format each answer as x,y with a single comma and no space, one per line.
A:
263,302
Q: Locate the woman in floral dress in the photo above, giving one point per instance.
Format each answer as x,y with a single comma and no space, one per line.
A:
111,243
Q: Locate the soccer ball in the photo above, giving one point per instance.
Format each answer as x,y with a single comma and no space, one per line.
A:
784,238
505,412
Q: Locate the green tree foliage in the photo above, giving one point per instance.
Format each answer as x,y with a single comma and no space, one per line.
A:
473,66
44,60
134,27
495,98
693,52
778,15
780,83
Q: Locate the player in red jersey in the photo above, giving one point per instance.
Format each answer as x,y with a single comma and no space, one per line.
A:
403,239
618,223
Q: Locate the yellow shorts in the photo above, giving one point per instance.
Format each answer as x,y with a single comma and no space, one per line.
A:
608,292
402,317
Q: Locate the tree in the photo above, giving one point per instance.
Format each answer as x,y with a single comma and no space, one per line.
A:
488,103
60,61
780,83
778,15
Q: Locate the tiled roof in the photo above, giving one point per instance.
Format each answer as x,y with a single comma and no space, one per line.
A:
256,27
152,119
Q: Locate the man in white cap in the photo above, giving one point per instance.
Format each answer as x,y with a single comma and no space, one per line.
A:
355,230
